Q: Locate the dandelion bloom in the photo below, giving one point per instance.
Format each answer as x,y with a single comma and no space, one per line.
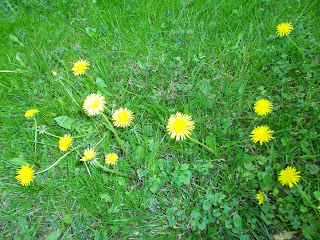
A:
111,158
94,104
88,154
289,176
284,29
65,142
179,126
260,197
263,107
25,175
122,117
80,67
261,134
31,112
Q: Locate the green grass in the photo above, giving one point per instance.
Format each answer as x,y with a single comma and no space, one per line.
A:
209,59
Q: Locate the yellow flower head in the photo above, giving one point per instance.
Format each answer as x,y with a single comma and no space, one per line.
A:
179,126
31,112
260,197
263,107
65,142
54,73
289,176
261,134
111,158
283,29
25,175
80,67
94,104
122,117
88,155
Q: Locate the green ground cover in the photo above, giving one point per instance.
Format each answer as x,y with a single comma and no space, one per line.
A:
211,60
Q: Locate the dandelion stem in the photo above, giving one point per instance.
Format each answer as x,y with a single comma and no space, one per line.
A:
119,141
273,159
52,135
115,172
90,78
58,160
97,144
304,58
70,94
88,171
35,140
312,205
203,145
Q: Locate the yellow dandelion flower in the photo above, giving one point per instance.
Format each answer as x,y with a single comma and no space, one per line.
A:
289,176
80,67
260,197
88,154
31,112
263,107
25,175
122,117
65,142
111,158
54,73
180,126
261,134
94,104
283,29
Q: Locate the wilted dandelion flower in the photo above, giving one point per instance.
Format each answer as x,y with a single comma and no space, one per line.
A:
179,126
25,175
260,197
80,67
65,142
111,158
122,117
263,107
31,112
289,176
94,104
88,154
283,29
261,134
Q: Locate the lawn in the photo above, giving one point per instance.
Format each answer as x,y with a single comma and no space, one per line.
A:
171,89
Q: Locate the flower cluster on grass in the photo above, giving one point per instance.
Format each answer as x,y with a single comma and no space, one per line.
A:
179,127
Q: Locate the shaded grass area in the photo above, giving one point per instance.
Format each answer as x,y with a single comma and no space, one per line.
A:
209,59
